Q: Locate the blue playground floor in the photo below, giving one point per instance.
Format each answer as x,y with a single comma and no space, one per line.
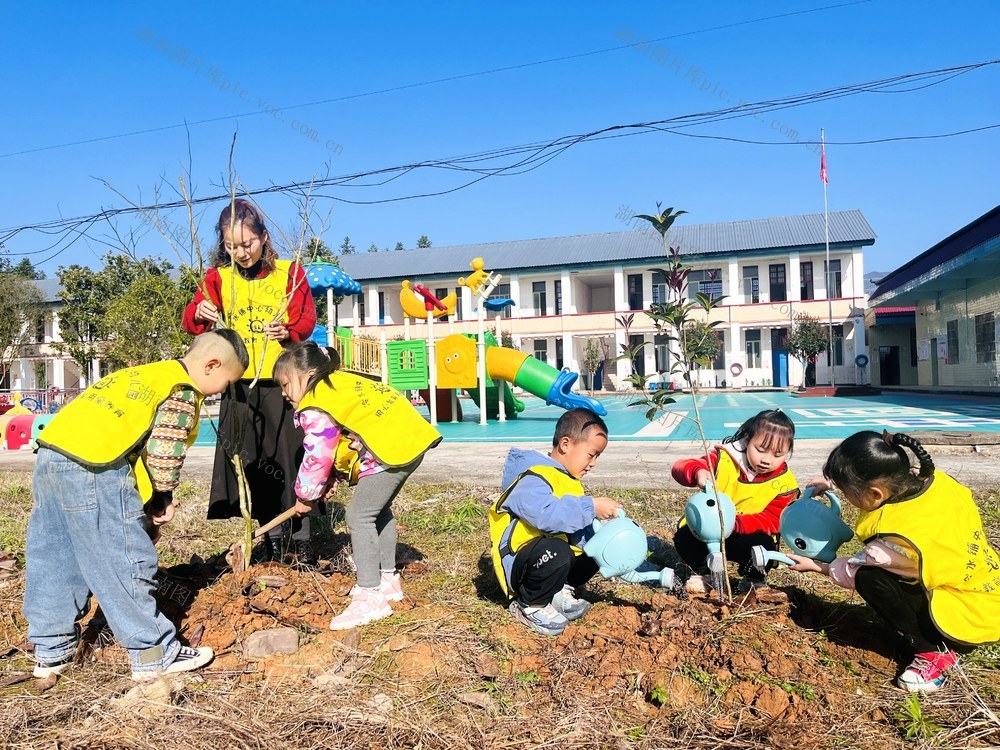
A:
722,413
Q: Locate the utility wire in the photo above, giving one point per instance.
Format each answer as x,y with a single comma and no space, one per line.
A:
533,155
435,81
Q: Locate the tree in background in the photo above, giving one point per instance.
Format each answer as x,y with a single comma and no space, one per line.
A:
399,247
22,308
593,355
373,248
700,345
25,269
807,340
144,322
423,242
346,248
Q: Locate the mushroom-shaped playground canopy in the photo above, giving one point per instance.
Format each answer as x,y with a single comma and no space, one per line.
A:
330,276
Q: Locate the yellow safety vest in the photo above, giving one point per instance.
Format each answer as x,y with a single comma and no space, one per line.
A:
112,419
377,414
750,497
251,304
959,570
506,543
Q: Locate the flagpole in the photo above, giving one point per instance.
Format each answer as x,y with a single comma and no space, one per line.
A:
829,272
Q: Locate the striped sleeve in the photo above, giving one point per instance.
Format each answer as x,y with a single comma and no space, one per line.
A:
167,445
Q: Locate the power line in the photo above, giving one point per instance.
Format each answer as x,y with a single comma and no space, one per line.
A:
532,156
447,79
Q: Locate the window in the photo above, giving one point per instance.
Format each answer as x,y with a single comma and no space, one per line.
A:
838,345
441,293
458,303
659,288
661,352
503,292
719,363
635,291
635,345
707,281
913,347
541,350
777,279
557,290
806,289
361,309
538,297
986,338
952,342
559,352
40,329
381,308
833,285
751,284
753,347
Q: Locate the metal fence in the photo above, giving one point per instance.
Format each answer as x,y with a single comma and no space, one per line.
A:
37,400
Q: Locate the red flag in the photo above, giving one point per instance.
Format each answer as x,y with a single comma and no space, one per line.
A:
822,159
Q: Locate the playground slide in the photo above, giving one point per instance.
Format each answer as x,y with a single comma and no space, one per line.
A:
537,378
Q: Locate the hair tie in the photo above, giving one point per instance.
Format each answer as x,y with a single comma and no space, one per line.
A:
324,352
889,438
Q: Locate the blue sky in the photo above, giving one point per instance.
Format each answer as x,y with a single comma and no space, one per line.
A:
74,73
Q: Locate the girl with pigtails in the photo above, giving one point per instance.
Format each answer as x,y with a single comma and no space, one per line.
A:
926,567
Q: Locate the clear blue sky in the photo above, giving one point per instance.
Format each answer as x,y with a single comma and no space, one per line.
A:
72,72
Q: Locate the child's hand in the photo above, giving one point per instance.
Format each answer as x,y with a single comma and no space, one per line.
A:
605,508
703,478
276,331
159,518
807,565
820,486
206,312
303,507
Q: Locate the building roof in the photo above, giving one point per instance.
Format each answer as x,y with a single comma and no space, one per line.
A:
749,235
973,252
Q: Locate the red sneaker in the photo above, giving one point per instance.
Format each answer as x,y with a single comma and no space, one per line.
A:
928,670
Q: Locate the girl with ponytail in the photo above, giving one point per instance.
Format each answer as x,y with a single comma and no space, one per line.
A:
926,567
367,434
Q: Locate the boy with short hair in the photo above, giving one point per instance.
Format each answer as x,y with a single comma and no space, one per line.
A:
106,461
536,525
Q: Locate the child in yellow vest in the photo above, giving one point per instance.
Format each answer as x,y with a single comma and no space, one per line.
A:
108,463
335,409
750,467
927,568
536,525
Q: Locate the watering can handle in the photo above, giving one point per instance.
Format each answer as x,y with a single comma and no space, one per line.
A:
598,523
830,495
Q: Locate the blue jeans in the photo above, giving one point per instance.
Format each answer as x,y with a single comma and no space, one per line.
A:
87,535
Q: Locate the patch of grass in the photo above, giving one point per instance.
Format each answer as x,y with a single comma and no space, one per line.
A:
707,681
914,723
792,688
527,678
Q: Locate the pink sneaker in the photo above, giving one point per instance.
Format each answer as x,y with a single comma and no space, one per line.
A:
928,671
367,605
391,586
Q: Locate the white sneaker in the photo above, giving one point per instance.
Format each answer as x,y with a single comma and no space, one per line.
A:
42,671
367,605
187,659
391,586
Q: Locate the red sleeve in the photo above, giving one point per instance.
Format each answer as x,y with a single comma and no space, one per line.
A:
213,285
301,310
767,520
685,471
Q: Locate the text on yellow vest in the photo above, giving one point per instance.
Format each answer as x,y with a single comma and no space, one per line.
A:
958,569
379,415
113,418
251,304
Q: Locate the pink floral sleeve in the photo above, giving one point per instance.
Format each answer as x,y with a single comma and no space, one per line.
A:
320,444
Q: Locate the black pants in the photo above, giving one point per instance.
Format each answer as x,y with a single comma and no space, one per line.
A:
693,551
543,566
906,608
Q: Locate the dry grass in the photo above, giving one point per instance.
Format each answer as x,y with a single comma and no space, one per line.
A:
449,699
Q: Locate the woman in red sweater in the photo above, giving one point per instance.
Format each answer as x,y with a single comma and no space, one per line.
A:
267,301
750,468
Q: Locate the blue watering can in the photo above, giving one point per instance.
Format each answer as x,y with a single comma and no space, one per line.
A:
814,529
761,556
617,546
702,515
